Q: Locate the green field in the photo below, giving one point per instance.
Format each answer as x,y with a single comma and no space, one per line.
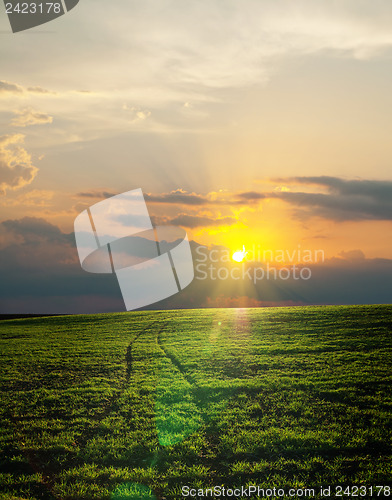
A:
139,405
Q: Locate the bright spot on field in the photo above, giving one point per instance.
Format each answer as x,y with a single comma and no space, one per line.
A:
240,255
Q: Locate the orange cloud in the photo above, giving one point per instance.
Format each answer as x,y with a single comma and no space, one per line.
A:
16,167
29,116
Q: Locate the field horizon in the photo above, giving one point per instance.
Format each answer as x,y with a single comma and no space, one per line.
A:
11,316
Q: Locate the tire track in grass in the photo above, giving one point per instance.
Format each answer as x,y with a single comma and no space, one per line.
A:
175,361
204,399
110,406
178,414
129,357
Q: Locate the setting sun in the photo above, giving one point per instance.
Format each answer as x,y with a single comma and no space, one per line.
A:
240,255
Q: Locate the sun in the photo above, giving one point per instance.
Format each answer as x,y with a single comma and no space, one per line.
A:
239,255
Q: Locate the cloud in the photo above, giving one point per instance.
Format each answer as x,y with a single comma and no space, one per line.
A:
182,197
177,197
34,198
203,43
95,194
14,88
16,168
353,255
39,90
206,45
251,196
331,198
194,47
40,272
345,186
344,200
10,87
192,221
29,116
136,114
33,229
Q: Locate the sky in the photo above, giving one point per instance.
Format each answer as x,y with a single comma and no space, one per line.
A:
251,123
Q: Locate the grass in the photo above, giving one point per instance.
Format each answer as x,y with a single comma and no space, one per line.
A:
138,405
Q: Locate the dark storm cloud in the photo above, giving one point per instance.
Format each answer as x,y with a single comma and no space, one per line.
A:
381,189
345,200
252,196
353,280
177,197
33,229
40,273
